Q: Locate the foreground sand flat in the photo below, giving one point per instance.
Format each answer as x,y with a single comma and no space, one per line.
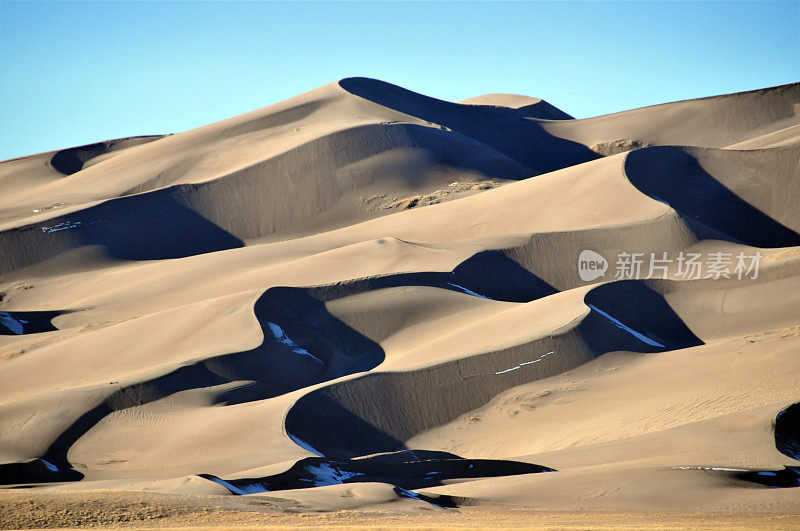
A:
364,306
131,510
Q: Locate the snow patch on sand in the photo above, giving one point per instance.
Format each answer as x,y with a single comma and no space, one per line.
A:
469,291
255,488
326,474
618,324
281,336
12,323
304,445
537,360
66,225
50,466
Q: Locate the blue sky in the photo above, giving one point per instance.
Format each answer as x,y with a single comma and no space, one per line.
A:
78,72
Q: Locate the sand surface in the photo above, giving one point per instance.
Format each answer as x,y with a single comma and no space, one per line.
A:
367,307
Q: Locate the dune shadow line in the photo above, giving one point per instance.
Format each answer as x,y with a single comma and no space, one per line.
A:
378,412
787,442
406,470
303,345
488,274
505,129
670,174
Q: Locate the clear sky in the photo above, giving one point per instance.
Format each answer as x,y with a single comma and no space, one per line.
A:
72,73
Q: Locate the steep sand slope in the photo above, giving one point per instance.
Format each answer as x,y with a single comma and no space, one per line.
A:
717,121
363,297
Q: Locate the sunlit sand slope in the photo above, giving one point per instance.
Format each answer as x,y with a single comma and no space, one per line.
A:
366,297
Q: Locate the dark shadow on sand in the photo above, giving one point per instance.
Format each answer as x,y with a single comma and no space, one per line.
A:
35,471
505,129
23,323
669,174
406,470
787,441
489,274
304,345
71,160
312,347
152,226
382,410
629,315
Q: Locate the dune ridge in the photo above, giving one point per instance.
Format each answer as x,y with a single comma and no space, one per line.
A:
365,285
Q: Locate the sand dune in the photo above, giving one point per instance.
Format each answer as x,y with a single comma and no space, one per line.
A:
363,297
713,122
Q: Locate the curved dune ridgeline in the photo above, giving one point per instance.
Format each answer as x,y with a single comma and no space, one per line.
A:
303,344
744,186
383,410
73,160
365,296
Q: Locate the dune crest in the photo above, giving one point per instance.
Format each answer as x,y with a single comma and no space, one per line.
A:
367,290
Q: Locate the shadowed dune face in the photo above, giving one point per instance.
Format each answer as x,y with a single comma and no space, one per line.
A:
635,308
487,274
389,282
502,128
787,478
346,166
183,220
410,469
383,410
20,323
35,471
72,160
303,345
714,122
152,227
787,441
674,176
532,107
787,431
